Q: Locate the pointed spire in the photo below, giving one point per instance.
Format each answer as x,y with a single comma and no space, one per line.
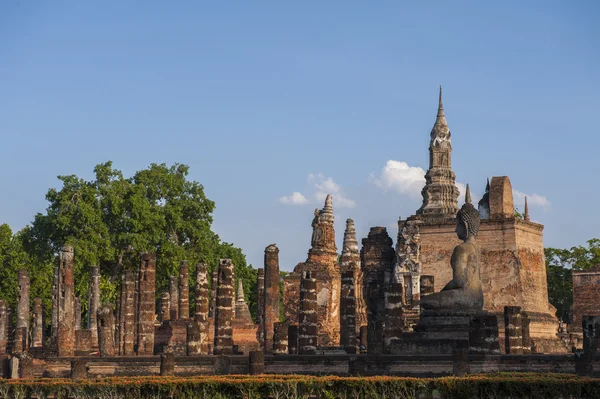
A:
468,195
326,214
240,292
487,186
441,117
328,204
350,243
526,216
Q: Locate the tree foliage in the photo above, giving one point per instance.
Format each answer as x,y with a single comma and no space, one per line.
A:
559,264
110,220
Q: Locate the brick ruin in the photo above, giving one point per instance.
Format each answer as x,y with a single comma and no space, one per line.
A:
363,313
512,256
322,262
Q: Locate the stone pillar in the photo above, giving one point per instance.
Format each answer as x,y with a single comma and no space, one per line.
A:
167,363
271,296
22,327
213,292
127,315
184,291
293,339
513,330
164,310
77,313
348,313
93,304
393,314
224,309
78,370
257,362
23,302
460,359
427,285
307,331
260,307
66,302
37,336
3,327
25,365
106,331
363,338
584,361
201,310
19,340
280,338
174,295
55,305
525,333
146,304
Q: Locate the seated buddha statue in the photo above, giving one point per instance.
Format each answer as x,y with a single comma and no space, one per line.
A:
464,291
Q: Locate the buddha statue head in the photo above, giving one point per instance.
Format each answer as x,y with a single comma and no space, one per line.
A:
467,219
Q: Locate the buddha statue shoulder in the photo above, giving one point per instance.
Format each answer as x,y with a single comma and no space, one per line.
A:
464,291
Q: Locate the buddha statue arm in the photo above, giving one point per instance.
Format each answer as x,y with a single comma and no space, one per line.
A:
459,264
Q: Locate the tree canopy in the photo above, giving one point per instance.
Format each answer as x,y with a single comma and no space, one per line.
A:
559,264
110,220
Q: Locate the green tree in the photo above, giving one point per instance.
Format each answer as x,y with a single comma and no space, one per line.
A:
559,265
111,219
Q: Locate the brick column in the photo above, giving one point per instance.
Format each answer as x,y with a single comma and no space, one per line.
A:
348,313
584,361
164,310
460,358
260,307
224,309
525,332
3,327
146,304
78,370
93,304
280,338
127,315
106,331
66,302
257,362
167,363
364,334
201,310
37,336
293,339
513,330
22,331
393,314
307,331
55,305
213,293
77,313
174,295
271,296
184,291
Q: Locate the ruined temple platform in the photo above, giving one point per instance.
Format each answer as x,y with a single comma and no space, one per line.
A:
438,332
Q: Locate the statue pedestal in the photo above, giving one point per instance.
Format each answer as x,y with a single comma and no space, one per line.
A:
438,332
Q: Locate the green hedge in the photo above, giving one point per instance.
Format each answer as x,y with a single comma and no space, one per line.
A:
504,385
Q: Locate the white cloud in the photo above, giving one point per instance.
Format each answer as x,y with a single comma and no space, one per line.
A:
409,180
295,199
322,186
326,185
399,176
532,200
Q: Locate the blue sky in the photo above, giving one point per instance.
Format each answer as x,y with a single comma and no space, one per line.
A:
264,99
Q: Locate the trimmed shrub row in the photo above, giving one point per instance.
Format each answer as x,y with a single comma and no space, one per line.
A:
503,385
